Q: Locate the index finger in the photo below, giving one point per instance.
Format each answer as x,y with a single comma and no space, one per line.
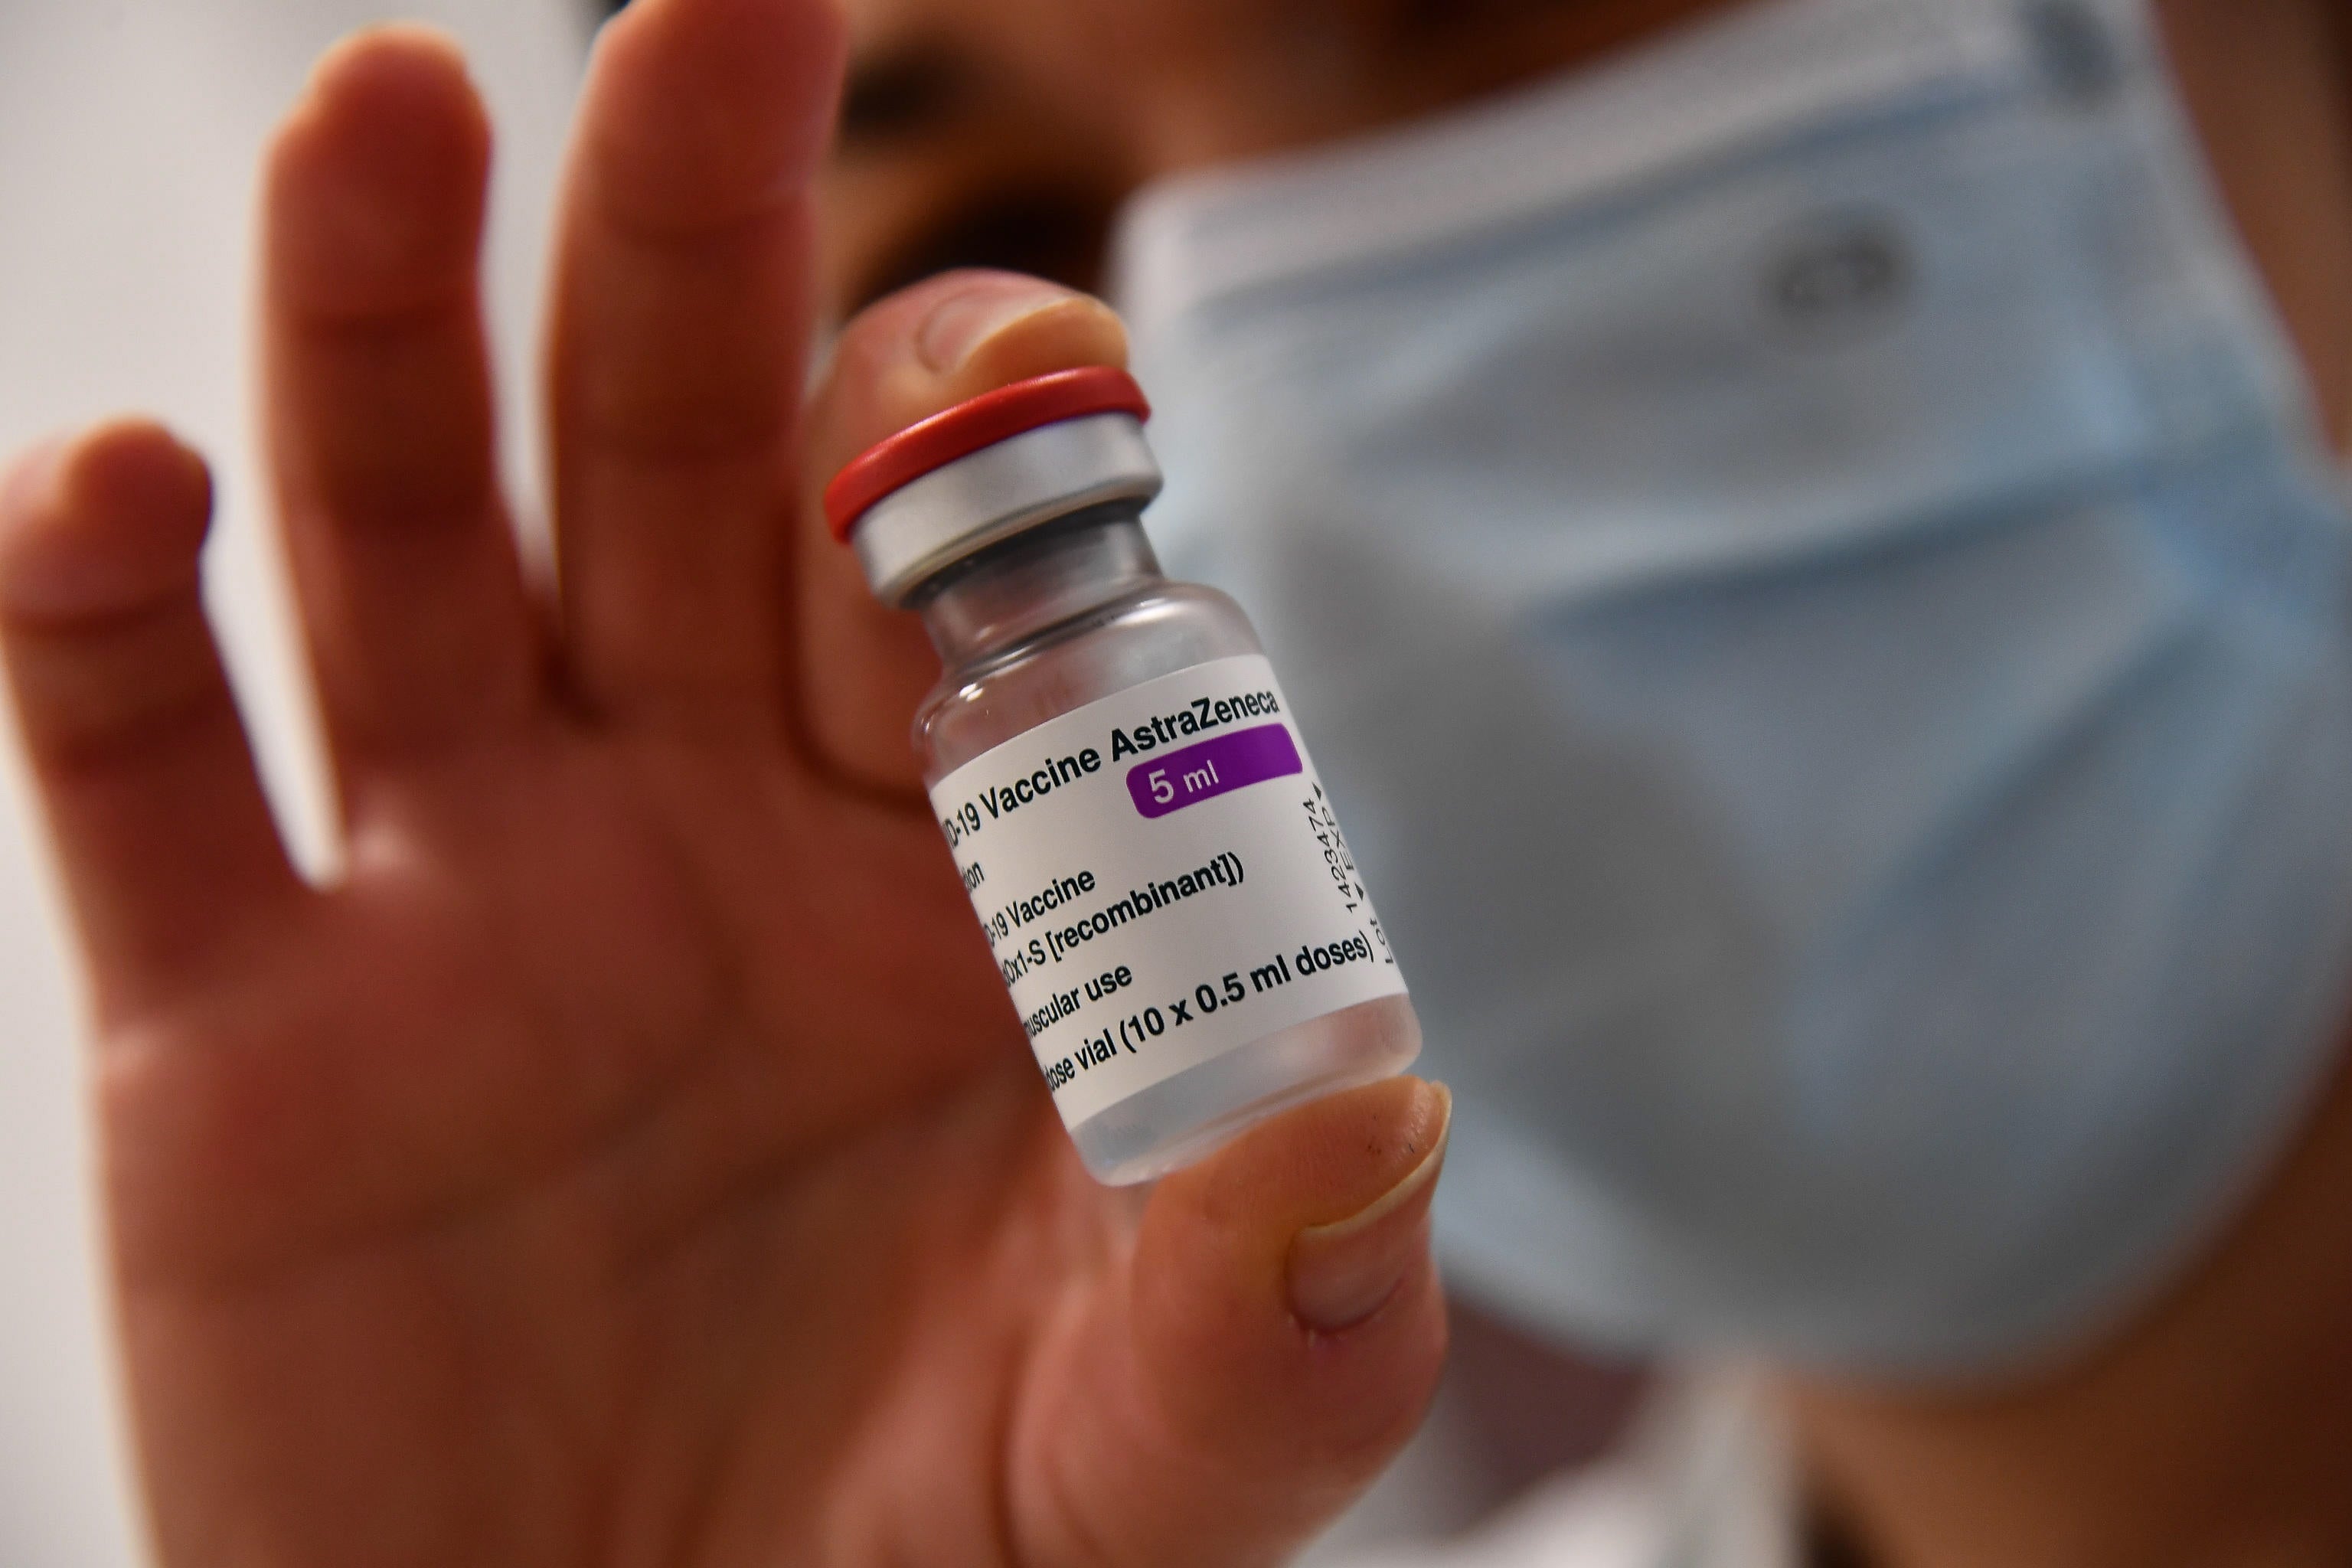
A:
862,668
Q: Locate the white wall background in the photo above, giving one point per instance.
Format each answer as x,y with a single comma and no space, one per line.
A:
128,134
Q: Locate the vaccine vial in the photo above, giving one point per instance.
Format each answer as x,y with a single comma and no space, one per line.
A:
1155,865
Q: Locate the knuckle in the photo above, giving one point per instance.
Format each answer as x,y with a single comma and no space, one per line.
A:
96,694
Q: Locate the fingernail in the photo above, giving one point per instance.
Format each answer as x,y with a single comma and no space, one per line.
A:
962,323
1344,1272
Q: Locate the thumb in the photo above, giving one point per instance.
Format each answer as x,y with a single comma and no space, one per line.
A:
1273,1342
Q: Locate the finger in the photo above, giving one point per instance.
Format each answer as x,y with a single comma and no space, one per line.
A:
683,300
1278,1340
164,840
379,407
862,668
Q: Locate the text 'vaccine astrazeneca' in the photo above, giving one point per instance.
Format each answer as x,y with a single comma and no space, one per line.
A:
1154,861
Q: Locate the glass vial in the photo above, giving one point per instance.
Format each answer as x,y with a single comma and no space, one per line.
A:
1155,865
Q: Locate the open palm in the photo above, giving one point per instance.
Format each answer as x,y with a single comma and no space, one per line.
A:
632,1157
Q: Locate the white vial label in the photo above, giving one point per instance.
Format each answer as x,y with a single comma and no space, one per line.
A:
1162,880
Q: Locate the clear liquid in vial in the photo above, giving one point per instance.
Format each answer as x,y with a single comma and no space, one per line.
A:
1046,624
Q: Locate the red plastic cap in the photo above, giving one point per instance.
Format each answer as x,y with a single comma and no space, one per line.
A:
993,417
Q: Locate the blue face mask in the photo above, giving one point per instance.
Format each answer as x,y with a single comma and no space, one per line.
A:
1818,589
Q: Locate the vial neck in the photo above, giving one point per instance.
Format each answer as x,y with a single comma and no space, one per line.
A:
1011,592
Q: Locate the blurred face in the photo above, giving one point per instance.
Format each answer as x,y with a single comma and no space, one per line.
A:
1007,132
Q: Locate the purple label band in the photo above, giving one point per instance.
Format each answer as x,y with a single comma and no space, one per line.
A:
1211,768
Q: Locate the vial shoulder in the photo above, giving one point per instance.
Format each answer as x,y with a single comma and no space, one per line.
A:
1165,629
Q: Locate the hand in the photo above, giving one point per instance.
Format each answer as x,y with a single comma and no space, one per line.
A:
631,1158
